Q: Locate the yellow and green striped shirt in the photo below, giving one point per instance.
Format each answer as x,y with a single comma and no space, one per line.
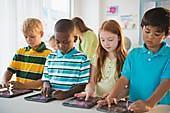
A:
28,63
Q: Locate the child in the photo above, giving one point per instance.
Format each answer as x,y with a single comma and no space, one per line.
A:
108,62
147,69
66,70
87,40
52,42
28,62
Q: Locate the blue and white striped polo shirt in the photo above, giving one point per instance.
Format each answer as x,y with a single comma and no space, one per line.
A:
64,71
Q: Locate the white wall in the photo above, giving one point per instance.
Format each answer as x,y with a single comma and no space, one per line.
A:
124,8
88,10
13,13
30,8
93,13
7,31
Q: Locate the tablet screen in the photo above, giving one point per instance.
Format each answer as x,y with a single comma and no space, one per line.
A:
39,98
121,107
13,93
81,103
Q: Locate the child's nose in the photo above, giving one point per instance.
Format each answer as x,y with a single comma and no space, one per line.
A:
151,35
106,43
61,45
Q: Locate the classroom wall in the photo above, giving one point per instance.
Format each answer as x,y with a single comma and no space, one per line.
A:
127,14
93,12
88,10
7,32
94,15
13,13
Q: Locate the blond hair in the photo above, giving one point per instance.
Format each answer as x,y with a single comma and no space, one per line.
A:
32,25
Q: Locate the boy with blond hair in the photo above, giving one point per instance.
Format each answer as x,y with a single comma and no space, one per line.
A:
28,62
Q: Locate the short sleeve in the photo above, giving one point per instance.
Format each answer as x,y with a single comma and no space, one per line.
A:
94,61
166,71
84,72
127,66
14,65
46,76
89,44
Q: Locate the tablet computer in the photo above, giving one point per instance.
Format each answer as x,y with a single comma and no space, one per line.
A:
121,107
80,102
13,92
39,98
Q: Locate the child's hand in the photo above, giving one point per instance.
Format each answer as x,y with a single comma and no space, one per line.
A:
101,103
17,85
83,94
139,106
5,85
107,101
89,92
110,100
46,89
59,95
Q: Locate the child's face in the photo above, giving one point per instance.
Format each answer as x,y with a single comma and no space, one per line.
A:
77,31
108,40
153,37
65,41
33,39
53,44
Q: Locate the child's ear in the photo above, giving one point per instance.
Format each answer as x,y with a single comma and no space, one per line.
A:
42,33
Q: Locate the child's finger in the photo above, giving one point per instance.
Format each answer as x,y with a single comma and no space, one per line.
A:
115,101
109,103
132,107
101,103
5,85
42,91
87,96
46,92
82,94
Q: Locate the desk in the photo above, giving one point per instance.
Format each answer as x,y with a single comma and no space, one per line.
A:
19,105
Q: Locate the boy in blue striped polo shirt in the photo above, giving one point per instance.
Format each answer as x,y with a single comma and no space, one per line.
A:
66,70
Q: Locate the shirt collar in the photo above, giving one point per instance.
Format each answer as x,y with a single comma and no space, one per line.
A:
70,53
41,47
162,50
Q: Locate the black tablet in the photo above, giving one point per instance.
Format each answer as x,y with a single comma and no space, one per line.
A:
13,93
121,107
80,102
39,98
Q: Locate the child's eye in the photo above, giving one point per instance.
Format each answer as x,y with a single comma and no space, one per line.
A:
147,32
111,40
157,34
57,42
32,36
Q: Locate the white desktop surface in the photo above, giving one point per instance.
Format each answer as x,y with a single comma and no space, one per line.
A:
20,105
